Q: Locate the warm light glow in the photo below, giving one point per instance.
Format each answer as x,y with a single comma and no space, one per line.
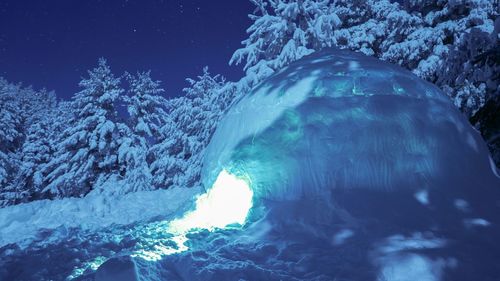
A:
227,202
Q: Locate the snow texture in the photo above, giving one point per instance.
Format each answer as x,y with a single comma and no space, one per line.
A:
22,224
359,170
345,121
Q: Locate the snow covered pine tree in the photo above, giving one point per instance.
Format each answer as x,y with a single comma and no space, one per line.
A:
191,122
146,108
87,152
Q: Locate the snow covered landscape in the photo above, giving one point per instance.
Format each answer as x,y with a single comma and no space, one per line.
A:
361,143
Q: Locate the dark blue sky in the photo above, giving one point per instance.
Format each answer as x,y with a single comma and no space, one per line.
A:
53,43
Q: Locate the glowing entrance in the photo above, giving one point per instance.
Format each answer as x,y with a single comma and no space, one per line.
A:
227,202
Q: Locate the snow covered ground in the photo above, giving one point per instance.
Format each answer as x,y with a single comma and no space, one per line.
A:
22,224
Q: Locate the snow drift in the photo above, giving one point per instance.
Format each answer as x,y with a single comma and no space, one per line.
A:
22,224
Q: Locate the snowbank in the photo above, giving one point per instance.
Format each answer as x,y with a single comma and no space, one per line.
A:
22,223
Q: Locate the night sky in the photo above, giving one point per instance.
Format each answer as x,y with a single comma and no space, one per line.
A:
52,44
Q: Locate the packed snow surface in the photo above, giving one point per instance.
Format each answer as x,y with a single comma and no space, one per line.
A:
338,167
23,223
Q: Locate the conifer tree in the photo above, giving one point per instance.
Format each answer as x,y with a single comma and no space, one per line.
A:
87,153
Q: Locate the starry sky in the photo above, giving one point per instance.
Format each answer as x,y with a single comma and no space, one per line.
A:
52,44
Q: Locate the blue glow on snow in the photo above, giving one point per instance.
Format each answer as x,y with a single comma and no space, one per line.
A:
160,250
92,265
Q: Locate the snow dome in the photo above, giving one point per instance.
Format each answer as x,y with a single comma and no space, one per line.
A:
338,121
359,170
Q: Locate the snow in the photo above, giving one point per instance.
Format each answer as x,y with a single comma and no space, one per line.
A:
461,205
327,119
398,262
422,196
476,222
340,166
342,236
270,102
22,223
437,40
122,269
349,157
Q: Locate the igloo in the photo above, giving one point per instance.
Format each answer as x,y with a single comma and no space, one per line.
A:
341,121
359,170
340,167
